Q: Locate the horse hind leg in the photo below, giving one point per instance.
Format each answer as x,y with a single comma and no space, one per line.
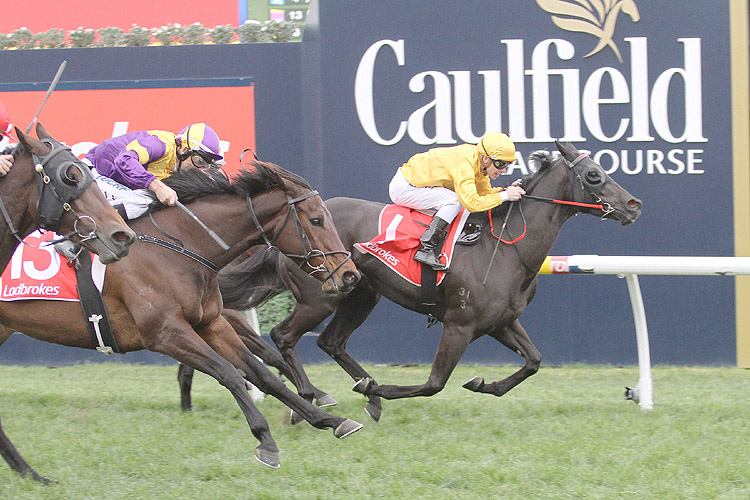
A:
185,380
452,347
515,338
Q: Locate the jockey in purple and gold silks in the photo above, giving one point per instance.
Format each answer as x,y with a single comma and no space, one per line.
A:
139,160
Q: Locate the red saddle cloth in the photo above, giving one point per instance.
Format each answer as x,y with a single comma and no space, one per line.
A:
398,240
36,271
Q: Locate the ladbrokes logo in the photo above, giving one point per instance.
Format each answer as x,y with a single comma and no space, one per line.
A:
595,17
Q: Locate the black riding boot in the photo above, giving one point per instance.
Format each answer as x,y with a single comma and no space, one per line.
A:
431,242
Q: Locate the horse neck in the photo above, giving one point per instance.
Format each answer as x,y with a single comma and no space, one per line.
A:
19,194
544,220
228,216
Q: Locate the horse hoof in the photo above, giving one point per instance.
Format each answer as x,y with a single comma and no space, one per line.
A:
474,384
295,418
363,385
374,411
268,458
346,427
326,400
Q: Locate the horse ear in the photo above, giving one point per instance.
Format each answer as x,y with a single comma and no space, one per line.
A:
568,151
28,142
42,133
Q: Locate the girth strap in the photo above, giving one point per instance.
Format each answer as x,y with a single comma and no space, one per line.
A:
181,250
92,305
429,294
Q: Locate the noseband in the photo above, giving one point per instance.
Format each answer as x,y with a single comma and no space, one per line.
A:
310,252
57,191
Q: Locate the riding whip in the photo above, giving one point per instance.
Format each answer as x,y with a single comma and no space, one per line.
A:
49,91
210,232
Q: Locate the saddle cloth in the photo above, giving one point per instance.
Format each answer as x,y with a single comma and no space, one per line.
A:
36,271
399,231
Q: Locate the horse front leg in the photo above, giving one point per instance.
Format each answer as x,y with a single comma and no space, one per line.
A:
452,347
222,338
350,314
7,449
177,339
270,356
304,318
515,338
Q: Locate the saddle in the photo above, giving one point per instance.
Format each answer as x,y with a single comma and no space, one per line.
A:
472,230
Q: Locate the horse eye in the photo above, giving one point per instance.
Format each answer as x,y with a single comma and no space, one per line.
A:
316,221
69,177
593,176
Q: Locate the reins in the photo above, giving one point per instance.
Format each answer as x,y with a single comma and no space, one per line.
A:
606,208
564,202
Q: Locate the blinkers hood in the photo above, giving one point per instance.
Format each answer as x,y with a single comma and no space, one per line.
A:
56,186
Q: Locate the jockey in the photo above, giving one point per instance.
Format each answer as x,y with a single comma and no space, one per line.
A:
448,178
6,160
126,166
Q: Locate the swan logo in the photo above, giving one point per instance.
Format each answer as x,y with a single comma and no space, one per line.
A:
595,17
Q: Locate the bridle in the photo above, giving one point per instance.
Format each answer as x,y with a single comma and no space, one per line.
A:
590,181
310,252
57,190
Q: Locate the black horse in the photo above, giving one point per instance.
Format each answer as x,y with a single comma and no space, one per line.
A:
505,272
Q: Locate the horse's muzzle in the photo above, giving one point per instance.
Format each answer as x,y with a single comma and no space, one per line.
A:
350,278
113,247
632,211
342,284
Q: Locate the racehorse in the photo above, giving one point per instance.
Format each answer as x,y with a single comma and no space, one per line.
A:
49,187
165,296
488,287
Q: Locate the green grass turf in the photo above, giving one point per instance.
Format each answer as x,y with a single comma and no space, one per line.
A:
116,432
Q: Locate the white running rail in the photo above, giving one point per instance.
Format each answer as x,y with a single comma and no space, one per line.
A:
630,267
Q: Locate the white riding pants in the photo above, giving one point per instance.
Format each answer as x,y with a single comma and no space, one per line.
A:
134,201
444,200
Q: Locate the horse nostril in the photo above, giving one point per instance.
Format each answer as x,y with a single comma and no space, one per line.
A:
634,204
123,237
350,278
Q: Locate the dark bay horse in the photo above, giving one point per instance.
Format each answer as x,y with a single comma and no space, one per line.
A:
168,300
60,197
467,307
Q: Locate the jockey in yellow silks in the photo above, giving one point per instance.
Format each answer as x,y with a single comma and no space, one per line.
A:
449,178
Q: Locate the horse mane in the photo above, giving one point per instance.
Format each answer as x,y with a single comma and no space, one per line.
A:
190,184
249,283
539,162
15,149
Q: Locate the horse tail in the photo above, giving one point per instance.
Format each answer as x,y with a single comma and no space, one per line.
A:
253,281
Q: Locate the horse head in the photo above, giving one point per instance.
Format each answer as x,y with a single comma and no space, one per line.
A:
312,230
284,213
590,189
67,200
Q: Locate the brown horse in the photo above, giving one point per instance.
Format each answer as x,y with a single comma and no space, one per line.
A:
49,187
488,287
167,299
